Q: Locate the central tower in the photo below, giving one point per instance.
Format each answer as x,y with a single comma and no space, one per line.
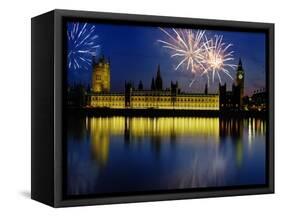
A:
101,76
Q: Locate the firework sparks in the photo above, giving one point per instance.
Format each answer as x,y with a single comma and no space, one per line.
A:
187,45
217,58
201,55
81,44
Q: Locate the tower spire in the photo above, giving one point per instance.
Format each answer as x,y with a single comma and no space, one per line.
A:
240,67
158,71
158,79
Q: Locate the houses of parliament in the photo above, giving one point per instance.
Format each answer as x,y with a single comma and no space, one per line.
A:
157,97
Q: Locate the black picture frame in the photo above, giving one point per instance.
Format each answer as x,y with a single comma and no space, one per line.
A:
48,84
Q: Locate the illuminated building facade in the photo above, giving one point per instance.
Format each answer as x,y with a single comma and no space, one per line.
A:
156,97
101,76
108,100
169,99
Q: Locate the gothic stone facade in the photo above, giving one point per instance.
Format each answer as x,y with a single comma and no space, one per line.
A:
156,97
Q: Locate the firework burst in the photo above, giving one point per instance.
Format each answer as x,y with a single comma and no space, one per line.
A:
81,44
201,55
187,45
217,58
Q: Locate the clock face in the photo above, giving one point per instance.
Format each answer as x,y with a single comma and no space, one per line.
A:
240,76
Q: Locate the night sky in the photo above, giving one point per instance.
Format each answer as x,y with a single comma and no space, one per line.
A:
135,53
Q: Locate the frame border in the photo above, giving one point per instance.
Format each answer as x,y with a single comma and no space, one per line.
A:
59,15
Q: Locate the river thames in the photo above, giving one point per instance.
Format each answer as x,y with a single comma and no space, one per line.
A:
136,154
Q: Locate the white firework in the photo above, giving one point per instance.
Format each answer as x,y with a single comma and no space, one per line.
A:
187,45
81,45
217,58
201,55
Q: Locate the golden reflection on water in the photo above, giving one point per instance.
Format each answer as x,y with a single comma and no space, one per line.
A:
102,128
154,126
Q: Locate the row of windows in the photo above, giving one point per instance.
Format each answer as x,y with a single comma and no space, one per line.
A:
186,106
152,105
109,104
155,99
178,100
108,98
140,105
197,100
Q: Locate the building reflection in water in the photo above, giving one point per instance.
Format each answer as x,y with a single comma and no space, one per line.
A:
182,152
137,128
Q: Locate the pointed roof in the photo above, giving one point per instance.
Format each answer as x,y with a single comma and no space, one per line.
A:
158,71
240,61
240,67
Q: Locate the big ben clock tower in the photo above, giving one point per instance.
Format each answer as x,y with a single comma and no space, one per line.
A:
240,81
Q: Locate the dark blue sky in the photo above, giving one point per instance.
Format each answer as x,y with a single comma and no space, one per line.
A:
135,53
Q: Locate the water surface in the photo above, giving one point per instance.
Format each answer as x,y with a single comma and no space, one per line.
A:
121,154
